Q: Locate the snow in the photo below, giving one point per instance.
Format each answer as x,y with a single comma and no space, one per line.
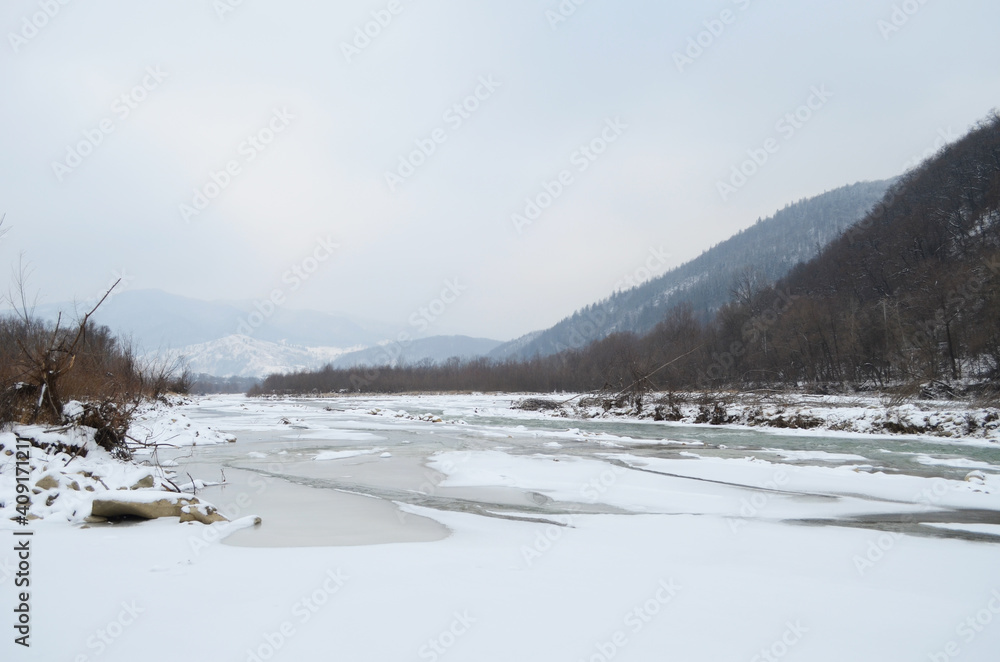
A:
953,462
821,456
809,414
245,356
161,424
341,455
625,545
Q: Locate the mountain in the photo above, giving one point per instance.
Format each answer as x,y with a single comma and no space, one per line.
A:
911,294
243,356
764,252
435,349
158,320
234,339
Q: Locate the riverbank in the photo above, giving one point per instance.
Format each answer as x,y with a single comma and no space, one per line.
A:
870,415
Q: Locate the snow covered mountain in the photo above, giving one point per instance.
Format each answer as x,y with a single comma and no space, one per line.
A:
159,320
232,339
243,356
435,349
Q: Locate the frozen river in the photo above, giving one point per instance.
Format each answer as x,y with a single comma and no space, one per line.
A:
336,472
455,528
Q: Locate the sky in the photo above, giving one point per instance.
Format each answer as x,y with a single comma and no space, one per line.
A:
499,163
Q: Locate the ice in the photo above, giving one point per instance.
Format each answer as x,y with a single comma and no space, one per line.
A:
536,551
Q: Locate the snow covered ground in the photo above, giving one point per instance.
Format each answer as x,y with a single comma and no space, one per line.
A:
456,528
830,413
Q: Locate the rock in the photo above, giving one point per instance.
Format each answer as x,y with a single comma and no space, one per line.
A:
201,513
186,508
977,477
145,483
91,519
75,486
52,499
47,483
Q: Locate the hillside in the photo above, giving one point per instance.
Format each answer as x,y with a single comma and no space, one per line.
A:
435,349
244,356
767,250
913,291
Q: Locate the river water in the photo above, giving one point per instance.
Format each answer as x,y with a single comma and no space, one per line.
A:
378,466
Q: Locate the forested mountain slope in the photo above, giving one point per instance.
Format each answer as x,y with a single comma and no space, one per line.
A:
765,252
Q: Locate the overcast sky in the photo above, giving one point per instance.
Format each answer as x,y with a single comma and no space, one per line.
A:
332,111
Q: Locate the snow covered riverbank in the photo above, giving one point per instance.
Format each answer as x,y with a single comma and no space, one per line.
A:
851,414
65,470
492,534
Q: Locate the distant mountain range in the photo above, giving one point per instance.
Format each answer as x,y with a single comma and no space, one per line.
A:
234,339
158,320
768,249
210,337
435,349
244,356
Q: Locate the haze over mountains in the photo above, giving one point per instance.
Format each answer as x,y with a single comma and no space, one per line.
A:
234,339
238,339
907,298
765,251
